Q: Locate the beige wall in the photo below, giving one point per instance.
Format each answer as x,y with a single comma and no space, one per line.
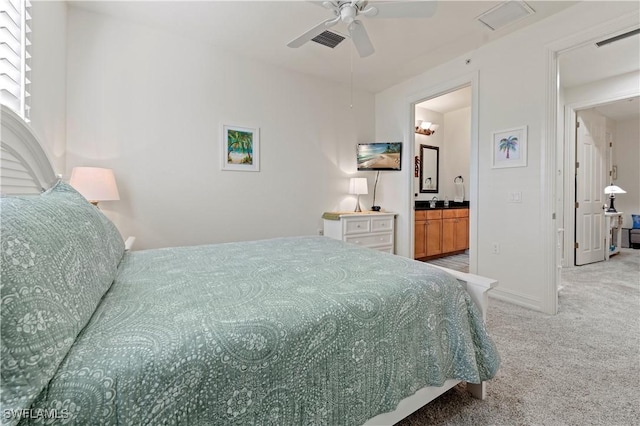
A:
48,78
150,105
626,156
512,85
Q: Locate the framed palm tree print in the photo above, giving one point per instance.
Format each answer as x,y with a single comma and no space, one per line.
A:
240,148
510,148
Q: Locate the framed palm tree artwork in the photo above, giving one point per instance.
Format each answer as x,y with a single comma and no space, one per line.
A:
510,148
240,148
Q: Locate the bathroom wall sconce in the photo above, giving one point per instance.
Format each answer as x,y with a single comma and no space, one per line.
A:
426,127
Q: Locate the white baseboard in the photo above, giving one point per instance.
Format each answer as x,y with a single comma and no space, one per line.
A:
516,298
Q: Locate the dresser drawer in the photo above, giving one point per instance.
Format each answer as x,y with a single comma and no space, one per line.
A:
381,224
368,229
357,226
371,240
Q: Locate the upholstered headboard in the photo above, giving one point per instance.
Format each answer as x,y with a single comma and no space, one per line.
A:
24,166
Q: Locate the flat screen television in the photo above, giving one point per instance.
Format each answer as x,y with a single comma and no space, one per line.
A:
379,156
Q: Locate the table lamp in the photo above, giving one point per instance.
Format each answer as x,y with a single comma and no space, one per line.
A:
358,186
95,184
612,190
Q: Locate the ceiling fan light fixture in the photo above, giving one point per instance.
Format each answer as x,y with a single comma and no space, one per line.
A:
348,13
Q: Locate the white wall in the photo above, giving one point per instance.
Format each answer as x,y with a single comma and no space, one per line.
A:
512,92
580,97
626,156
150,105
48,78
456,151
453,138
435,139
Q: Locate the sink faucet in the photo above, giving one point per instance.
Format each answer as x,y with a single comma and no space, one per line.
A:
435,198
432,203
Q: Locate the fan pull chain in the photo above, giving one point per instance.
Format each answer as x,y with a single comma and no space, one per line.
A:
351,76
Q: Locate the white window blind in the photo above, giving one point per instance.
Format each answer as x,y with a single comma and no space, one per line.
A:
15,60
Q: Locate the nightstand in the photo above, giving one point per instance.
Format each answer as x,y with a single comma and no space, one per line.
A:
613,236
374,230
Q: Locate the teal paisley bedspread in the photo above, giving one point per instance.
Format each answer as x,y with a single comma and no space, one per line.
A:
290,331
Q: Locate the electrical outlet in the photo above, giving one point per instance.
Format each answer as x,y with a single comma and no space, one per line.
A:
495,248
515,197
321,232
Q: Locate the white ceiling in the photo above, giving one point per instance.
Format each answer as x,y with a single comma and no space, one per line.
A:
261,30
590,63
448,102
626,109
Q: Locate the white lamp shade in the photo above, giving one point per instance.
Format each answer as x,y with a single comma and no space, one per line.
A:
358,186
613,189
425,125
95,183
434,127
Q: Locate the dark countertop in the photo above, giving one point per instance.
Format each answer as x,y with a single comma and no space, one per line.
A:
424,205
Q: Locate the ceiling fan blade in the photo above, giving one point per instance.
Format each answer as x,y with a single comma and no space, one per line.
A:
313,32
401,9
361,39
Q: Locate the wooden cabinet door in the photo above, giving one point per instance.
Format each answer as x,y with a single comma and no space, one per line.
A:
449,234
461,237
434,237
420,247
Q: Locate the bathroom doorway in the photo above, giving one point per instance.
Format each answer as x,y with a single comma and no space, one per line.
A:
441,180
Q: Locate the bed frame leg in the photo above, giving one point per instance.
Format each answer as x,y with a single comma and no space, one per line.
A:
478,390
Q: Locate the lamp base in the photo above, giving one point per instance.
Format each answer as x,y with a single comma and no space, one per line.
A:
612,208
375,208
358,209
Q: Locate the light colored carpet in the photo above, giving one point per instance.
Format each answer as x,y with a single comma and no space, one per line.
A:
457,262
580,367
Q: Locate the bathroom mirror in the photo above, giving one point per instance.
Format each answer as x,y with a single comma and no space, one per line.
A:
429,168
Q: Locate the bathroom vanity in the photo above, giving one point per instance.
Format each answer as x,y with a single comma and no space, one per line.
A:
441,231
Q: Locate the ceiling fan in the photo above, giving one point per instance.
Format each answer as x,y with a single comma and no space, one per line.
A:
349,11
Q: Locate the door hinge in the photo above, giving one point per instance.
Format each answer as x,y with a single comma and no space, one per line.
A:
577,205
577,124
577,164
610,144
577,245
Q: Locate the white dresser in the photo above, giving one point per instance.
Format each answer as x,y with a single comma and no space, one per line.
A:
375,230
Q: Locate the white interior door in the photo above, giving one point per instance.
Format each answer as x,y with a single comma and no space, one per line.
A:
590,182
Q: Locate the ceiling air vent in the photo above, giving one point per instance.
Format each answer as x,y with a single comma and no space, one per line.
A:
505,13
329,39
618,37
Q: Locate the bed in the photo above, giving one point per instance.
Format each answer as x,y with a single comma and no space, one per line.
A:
299,330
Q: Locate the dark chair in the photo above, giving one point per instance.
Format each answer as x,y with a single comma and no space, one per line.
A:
634,238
